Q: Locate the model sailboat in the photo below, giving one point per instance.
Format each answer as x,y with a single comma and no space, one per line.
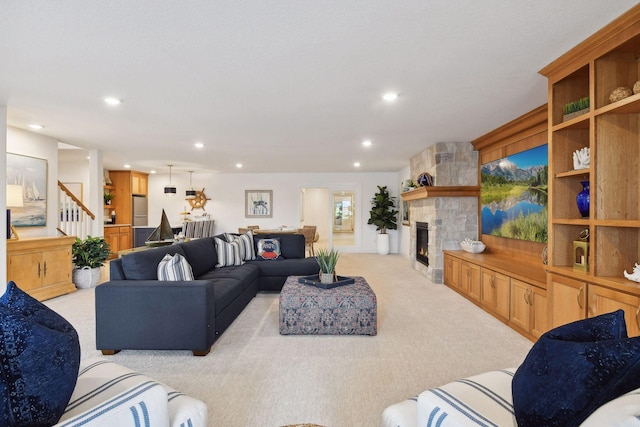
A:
162,235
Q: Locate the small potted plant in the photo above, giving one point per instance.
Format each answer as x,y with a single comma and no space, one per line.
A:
384,216
107,198
410,185
327,260
88,256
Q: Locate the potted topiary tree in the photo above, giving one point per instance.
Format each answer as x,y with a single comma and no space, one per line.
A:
383,215
88,256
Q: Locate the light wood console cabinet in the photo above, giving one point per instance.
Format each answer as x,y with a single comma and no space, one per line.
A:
514,292
41,266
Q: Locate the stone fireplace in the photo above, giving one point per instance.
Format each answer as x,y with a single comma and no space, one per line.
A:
450,219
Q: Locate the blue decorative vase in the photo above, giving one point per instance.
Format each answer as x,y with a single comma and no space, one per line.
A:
583,199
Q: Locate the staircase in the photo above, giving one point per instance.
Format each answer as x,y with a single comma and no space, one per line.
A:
75,218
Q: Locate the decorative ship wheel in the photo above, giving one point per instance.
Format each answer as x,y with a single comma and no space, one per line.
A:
199,200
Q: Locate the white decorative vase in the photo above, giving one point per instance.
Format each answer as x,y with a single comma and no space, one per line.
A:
86,277
383,244
326,277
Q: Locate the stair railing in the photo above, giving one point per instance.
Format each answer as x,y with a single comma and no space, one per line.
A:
75,219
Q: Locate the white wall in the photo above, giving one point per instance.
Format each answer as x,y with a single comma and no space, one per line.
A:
43,147
74,171
227,194
317,210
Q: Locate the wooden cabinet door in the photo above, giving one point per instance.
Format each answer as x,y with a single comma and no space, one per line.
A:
539,311
470,280
56,266
603,300
112,236
124,238
495,291
452,271
26,270
502,288
487,289
139,183
520,308
569,299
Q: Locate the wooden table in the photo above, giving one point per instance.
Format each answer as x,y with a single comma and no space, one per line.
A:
275,231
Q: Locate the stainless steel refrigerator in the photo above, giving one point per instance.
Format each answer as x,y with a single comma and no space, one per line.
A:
139,211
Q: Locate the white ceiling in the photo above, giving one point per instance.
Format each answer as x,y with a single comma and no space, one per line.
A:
280,86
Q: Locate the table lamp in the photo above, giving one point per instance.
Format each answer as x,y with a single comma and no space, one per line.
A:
14,200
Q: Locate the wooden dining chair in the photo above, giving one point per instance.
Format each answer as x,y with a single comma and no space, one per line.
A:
309,233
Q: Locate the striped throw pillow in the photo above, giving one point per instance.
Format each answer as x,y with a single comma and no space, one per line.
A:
228,253
247,251
174,267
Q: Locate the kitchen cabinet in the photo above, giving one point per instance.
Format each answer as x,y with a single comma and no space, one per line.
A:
118,237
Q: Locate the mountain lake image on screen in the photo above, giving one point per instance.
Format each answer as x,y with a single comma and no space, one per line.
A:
514,195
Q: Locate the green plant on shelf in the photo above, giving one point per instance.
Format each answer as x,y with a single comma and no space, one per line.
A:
581,104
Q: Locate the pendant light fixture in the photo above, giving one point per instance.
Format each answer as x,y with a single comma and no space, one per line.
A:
170,190
190,194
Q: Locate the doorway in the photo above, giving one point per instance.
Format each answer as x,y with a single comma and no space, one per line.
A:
333,213
343,221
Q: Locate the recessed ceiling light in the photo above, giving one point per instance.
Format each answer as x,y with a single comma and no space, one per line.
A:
238,165
356,164
152,171
367,143
127,166
36,126
112,101
198,145
390,96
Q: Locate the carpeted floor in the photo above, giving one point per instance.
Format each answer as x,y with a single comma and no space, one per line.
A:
427,335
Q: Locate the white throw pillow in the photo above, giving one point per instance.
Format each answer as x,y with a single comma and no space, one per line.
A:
247,250
173,268
228,253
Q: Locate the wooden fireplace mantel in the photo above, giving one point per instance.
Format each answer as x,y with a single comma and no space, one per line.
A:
441,191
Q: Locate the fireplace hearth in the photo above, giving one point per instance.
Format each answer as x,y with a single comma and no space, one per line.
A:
422,242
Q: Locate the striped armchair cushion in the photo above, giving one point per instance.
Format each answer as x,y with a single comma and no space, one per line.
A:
101,381
481,400
143,405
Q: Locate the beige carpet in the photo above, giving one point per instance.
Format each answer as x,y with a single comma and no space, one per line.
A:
427,335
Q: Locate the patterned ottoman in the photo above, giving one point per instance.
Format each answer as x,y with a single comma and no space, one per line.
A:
343,310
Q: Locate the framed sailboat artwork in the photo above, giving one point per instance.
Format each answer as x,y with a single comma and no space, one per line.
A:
31,174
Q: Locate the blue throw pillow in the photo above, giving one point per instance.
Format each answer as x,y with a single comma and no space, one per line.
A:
574,369
39,361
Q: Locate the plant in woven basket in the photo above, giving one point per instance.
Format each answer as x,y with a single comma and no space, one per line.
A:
327,260
91,252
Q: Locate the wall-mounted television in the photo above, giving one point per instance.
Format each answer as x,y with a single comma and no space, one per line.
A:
514,195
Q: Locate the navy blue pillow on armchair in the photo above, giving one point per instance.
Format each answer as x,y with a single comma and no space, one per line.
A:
574,369
39,361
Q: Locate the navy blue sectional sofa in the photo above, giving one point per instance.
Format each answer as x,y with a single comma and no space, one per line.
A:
136,311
